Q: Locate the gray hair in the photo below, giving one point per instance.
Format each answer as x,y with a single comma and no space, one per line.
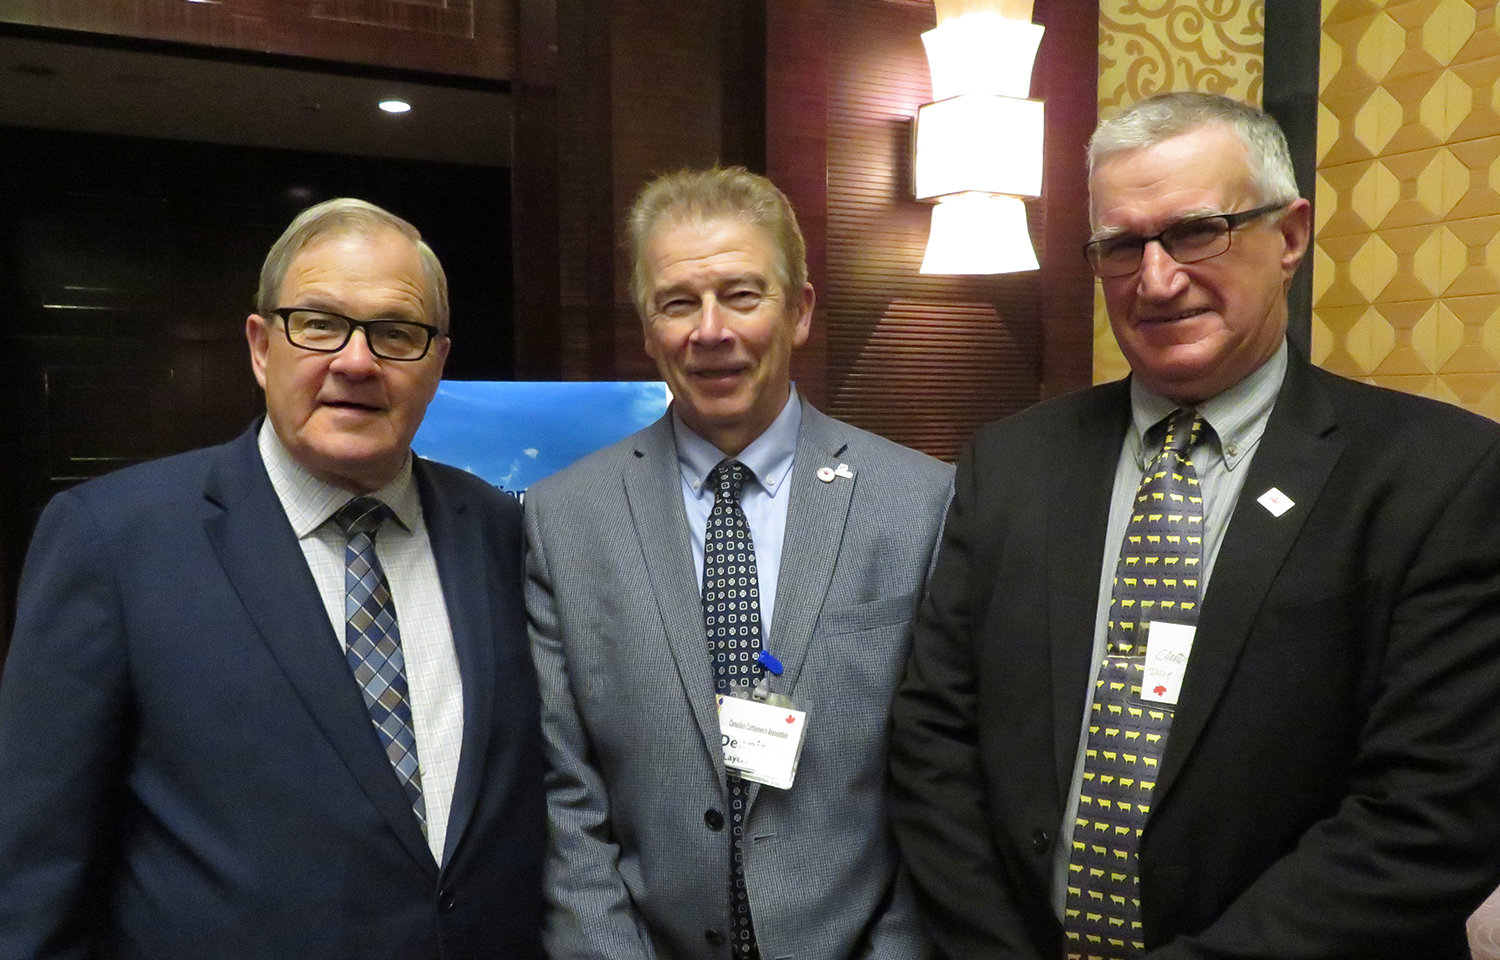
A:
703,196
340,216
1150,121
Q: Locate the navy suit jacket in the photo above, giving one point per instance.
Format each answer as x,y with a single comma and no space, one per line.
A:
1331,785
189,770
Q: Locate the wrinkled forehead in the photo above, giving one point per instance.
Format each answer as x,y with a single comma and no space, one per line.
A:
721,242
1147,188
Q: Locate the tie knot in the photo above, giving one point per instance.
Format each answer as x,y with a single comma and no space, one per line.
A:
361,515
1183,428
728,478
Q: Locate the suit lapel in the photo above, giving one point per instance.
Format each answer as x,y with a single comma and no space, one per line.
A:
814,535
815,520
464,568
653,489
1295,455
1076,534
259,554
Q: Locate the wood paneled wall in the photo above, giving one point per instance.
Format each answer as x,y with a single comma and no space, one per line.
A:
923,360
465,37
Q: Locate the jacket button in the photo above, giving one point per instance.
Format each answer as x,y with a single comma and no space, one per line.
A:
714,819
1040,841
445,901
714,938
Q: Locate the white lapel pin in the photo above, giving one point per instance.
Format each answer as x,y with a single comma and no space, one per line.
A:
826,474
1275,502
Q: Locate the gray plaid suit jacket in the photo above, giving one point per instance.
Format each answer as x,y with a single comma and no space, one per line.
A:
637,867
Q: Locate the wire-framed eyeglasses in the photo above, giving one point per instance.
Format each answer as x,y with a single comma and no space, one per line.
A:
1186,241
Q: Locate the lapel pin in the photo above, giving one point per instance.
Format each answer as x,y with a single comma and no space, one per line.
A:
1275,502
826,474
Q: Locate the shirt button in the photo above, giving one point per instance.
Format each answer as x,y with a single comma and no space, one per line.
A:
1231,449
1040,841
714,938
714,819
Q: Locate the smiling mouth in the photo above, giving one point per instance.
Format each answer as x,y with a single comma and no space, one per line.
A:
350,405
1175,317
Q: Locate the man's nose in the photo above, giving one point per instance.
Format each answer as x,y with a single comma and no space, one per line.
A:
356,356
710,320
1159,274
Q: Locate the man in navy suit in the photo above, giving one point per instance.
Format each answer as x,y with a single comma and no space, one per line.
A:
1329,786
188,767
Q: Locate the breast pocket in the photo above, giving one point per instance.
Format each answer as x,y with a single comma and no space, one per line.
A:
870,615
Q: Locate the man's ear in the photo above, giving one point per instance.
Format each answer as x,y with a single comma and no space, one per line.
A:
258,335
1296,233
803,322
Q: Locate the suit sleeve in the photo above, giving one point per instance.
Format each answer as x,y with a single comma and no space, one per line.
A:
898,933
64,719
938,803
589,914
1412,847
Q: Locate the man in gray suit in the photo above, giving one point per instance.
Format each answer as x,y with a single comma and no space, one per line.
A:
661,848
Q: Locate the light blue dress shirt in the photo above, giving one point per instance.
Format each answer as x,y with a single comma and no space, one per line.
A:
769,457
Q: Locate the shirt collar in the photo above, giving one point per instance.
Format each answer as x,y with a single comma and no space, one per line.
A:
769,456
1238,415
310,501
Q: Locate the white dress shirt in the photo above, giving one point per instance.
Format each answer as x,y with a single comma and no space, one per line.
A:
432,677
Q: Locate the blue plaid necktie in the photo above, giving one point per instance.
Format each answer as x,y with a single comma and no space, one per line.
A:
1156,578
731,616
373,643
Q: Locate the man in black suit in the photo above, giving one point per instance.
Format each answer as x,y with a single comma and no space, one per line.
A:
206,748
1299,756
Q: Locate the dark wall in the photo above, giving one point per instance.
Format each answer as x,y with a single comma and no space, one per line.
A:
128,265
1293,38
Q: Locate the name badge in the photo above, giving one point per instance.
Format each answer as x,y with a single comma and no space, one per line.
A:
762,742
1168,646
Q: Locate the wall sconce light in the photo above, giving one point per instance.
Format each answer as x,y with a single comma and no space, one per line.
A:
978,145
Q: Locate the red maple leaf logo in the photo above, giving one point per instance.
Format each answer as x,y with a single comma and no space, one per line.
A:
1159,690
790,718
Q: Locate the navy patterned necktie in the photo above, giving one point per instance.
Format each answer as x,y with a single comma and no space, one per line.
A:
1156,579
373,642
731,617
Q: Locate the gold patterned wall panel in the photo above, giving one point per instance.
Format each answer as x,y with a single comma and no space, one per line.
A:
1406,275
1154,46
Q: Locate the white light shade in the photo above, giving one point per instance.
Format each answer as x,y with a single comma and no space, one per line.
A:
979,142
395,106
979,233
982,53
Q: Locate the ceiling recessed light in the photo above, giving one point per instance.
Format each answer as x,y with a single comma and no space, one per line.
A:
395,106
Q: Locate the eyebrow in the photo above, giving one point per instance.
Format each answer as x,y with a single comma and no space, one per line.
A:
759,282
1111,233
394,313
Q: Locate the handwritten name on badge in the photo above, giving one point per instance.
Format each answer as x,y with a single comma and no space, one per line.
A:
1168,647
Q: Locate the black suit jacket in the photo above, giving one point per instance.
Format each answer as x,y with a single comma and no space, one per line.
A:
191,772
1331,786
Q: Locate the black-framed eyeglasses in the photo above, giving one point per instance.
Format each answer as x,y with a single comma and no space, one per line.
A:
1186,241
326,332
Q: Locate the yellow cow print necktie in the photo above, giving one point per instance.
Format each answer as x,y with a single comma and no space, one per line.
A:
1156,579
